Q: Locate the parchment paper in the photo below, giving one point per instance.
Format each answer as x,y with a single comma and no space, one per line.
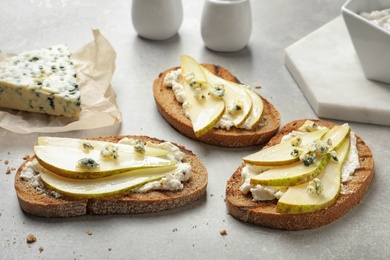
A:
95,67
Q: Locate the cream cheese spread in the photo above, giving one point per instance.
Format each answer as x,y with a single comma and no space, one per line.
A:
380,18
30,173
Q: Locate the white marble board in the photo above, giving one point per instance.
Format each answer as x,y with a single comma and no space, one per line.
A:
326,68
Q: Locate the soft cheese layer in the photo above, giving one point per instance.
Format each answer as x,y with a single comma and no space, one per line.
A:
42,81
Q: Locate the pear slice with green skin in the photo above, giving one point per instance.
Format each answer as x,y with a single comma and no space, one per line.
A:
296,199
257,109
64,161
111,185
190,66
98,145
337,134
232,93
204,112
291,175
280,154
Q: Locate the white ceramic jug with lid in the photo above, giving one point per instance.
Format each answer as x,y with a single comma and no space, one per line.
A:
226,25
157,19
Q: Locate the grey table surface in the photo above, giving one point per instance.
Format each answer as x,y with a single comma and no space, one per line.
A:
193,231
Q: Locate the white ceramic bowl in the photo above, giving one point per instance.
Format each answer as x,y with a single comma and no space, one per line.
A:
371,42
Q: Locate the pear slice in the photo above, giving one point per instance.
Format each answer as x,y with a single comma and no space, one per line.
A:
65,161
204,110
257,109
93,188
297,200
233,93
337,134
280,154
291,175
93,144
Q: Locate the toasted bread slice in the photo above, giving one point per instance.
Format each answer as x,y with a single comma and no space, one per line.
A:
173,113
41,204
264,213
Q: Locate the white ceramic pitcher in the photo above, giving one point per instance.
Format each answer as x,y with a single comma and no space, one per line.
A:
226,25
157,19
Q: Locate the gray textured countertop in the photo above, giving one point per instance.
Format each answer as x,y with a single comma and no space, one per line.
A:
193,231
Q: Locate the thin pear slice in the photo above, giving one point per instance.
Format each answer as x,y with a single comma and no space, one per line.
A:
337,134
191,66
64,161
233,93
280,154
257,109
204,112
93,188
291,175
297,200
99,145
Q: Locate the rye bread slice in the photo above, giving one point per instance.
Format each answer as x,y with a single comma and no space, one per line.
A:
172,111
263,213
41,204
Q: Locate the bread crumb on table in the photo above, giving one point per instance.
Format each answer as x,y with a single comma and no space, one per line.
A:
6,162
31,238
174,230
9,169
26,157
89,232
40,249
223,232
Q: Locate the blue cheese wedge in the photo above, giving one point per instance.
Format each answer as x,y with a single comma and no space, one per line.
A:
42,80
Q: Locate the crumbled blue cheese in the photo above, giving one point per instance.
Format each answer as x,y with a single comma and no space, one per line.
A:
296,141
308,159
198,93
234,107
87,146
139,147
315,187
309,126
87,163
42,80
110,151
218,91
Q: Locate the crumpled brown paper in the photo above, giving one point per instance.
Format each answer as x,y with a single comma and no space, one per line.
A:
95,68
